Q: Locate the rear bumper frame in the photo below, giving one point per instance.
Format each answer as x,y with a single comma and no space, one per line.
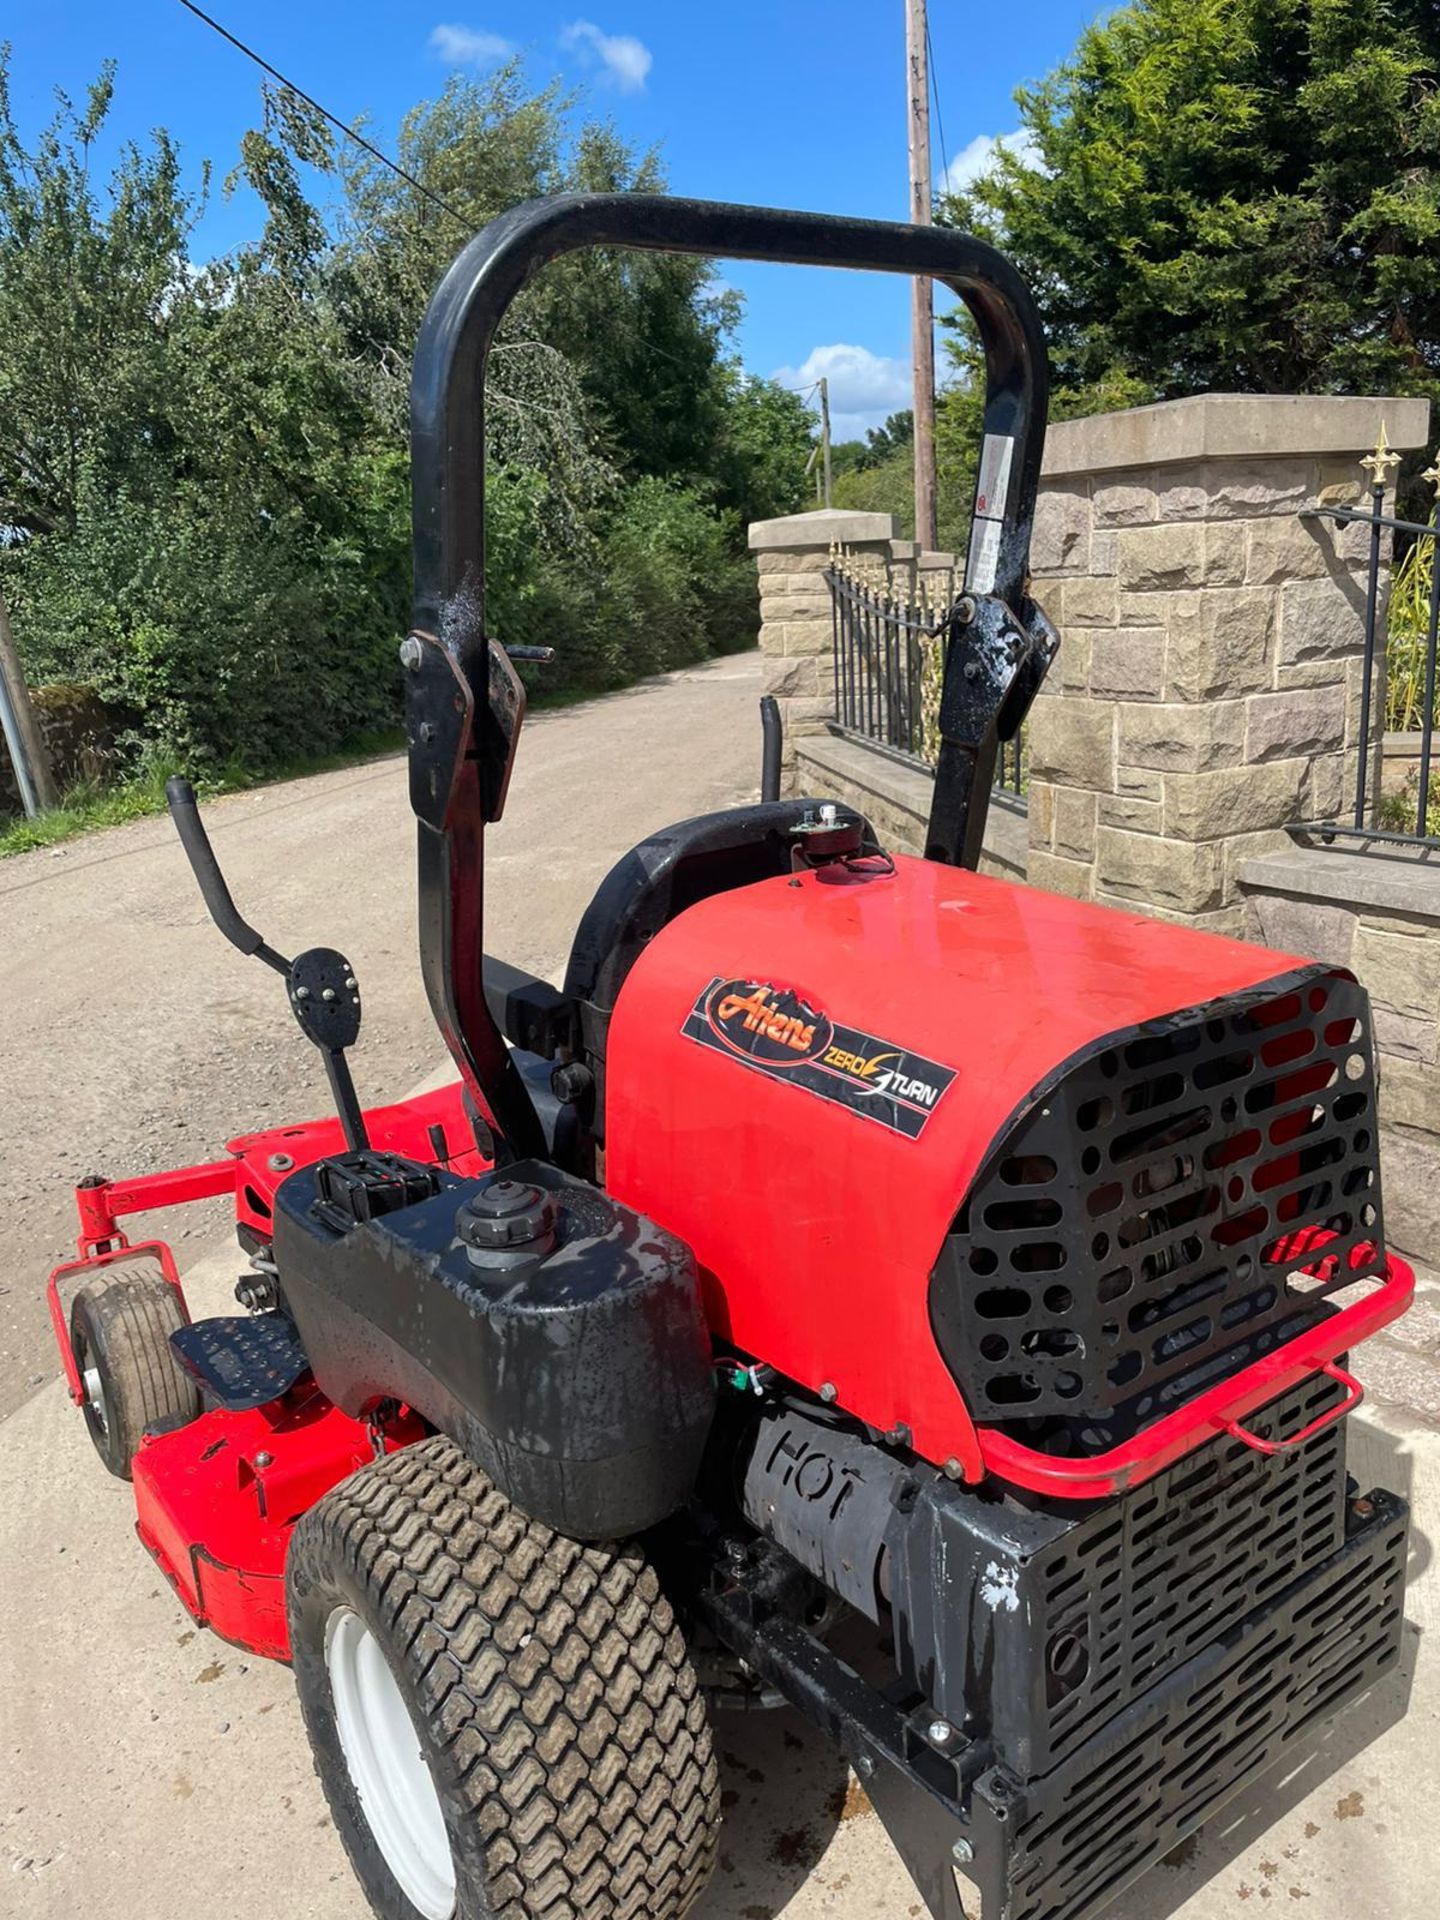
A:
982,1843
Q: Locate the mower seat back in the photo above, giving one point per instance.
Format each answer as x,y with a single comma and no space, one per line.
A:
642,893
660,878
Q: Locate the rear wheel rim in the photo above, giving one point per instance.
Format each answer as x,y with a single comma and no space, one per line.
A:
387,1769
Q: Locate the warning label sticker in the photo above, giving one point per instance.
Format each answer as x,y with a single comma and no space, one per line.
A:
983,562
992,494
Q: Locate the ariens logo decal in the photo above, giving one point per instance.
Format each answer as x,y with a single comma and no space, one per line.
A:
776,1031
766,1024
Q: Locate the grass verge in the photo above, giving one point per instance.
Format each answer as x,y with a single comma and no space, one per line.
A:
88,806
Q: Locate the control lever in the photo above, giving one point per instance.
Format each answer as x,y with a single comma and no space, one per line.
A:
320,983
772,747
180,797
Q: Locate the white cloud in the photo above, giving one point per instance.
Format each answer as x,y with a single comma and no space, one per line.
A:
469,46
624,60
864,386
973,160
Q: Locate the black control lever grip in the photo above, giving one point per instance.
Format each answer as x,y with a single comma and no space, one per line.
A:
180,798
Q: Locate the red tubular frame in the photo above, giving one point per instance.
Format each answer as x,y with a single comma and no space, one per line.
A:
101,1205
81,1270
1218,1410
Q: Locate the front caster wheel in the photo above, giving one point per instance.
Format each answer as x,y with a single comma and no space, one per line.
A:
120,1328
506,1722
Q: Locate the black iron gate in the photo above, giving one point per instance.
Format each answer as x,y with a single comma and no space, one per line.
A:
1400,672
888,658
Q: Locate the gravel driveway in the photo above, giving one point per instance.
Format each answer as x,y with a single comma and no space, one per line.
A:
132,1038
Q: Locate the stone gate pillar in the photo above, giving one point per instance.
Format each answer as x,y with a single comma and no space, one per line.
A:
796,630
1207,691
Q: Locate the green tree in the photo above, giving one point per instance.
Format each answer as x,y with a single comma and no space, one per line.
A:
847,456
87,293
896,436
880,486
201,520
766,437
1230,194
204,474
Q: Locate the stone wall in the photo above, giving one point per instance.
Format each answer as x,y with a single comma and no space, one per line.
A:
1381,919
1207,691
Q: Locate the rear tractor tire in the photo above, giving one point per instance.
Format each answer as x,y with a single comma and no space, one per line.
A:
120,1328
505,1721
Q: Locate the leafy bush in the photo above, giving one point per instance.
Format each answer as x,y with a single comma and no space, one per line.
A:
665,559
222,640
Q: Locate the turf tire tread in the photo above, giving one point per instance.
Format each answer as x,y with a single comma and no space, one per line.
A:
568,1727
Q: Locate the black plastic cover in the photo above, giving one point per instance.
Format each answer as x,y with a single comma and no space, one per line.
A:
579,1380
644,891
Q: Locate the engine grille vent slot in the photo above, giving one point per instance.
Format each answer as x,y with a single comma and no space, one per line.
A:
1140,1232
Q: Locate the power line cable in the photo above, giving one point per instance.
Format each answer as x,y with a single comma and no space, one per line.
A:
325,114
935,95
648,346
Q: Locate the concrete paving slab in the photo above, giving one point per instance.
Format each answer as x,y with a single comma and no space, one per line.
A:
149,1769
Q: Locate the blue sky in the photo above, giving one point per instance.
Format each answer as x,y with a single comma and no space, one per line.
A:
792,103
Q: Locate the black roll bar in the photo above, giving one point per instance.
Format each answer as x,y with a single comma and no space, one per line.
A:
464,703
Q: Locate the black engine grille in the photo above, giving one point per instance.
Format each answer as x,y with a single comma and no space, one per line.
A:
1148,1580
1133,1238
1051,1621
1160,1770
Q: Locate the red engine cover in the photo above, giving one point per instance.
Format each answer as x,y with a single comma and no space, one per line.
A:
804,1075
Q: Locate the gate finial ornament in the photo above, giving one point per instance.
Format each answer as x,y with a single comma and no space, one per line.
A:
1382,462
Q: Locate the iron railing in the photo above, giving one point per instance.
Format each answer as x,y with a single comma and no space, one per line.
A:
888,657
1399,675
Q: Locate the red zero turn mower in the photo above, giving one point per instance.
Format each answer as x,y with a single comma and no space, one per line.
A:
856,1252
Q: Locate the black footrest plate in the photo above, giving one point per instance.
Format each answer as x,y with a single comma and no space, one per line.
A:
242,1360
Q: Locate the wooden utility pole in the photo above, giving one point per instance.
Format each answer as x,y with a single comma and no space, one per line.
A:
922,323
825,436
28,752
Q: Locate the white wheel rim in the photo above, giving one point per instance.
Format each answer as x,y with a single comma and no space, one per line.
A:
387,1768
95,1394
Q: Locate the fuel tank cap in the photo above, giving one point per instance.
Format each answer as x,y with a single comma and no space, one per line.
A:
505,1218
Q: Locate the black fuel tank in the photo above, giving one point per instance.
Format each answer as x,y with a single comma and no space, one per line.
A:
554,1334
